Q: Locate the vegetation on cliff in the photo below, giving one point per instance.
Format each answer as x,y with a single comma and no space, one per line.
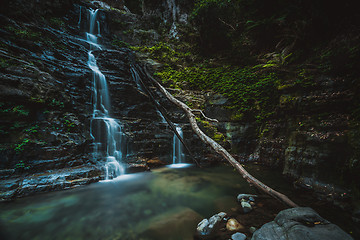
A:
276,60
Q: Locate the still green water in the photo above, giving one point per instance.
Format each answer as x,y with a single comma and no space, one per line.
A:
164,204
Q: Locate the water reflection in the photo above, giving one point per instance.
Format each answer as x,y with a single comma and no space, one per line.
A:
132,206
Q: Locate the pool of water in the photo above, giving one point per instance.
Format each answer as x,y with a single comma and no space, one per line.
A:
164,204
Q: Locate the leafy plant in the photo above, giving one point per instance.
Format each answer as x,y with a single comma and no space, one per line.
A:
20,146
56,103
57,22
251,92
21,165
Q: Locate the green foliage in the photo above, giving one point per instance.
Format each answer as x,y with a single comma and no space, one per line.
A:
21,165
69,125
33,129
37,100
251,92
4,63
57,22
163,53
56,103
212,131
20,146
24,33
18,110
304,79
120,44
341,57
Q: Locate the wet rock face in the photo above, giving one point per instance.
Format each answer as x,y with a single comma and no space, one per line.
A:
310,136
300,223
45,99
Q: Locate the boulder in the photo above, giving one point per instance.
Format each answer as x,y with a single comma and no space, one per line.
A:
178,223
301,223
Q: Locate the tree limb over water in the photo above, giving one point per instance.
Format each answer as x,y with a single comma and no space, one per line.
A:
219,149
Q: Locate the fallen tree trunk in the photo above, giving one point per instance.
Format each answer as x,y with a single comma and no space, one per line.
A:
220,150
160,108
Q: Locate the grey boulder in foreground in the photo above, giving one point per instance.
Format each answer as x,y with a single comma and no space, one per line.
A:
301,223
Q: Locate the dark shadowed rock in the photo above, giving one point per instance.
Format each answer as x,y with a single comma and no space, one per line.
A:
300,223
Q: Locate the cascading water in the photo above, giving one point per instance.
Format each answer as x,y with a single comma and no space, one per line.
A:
178,154
136,77
105,131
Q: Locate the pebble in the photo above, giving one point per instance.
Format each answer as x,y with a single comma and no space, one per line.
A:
252,229
238,236
246,197
246,206
205,226
202,227
234,225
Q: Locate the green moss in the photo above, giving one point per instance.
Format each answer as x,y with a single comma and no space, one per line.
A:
20,146
37,100
56,103
11,108
21,165
57,22
212,131
120,44
250,91
24,33
164,53
237,116
33,129
69,125
4,63
287,99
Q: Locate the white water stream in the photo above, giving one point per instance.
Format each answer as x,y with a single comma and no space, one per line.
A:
105,131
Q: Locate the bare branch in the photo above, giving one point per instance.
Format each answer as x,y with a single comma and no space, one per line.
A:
227,24
202,113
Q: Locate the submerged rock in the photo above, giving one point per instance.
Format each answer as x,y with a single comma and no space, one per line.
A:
252,229
246,206
238,236
205,226
202,227
179,222
301,223
250,197
233,225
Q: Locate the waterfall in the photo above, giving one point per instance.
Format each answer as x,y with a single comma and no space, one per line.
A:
136,77
79,22
105,131
171,4
178,154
